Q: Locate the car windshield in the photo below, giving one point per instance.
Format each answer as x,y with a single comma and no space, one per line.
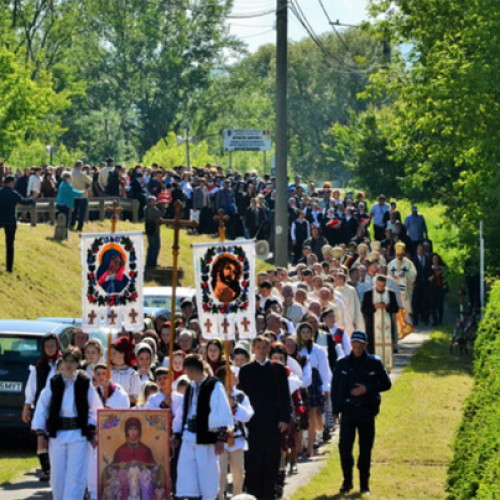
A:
16,348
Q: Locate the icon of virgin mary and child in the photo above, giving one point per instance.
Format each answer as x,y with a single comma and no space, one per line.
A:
111,275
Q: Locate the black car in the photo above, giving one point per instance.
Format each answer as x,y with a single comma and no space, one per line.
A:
20,347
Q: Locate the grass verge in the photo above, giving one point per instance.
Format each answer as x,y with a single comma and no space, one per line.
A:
415,429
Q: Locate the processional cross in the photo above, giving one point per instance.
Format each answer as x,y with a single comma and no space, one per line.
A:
176,224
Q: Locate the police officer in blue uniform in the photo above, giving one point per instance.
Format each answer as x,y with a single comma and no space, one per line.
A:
358,380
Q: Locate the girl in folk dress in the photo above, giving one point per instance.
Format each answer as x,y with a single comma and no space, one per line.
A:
319,390
122,373
93,353
38,377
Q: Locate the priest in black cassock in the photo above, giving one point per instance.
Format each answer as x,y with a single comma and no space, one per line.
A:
266,385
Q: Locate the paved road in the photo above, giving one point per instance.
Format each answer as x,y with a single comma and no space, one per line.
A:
27,487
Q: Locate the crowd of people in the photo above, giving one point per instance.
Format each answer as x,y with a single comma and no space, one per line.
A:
357,272
315,323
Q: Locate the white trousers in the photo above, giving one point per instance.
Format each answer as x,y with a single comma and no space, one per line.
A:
197,471
68,468
92,480
236,462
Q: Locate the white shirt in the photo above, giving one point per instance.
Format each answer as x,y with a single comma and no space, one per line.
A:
30,389
318,359
119,400
220,414
129,379
68,410
243,413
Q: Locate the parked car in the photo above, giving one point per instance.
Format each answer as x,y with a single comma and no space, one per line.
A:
161,296
20,347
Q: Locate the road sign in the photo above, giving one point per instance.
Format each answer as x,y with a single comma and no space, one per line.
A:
247,140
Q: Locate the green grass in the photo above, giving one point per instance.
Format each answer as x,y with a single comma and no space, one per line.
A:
47,274
415,429
13,463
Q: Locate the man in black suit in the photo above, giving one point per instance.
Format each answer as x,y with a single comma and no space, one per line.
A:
266,385
421,292
9,198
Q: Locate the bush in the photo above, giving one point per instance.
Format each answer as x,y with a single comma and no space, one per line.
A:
475,469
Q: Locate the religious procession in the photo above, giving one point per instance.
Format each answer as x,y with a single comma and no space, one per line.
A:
252,373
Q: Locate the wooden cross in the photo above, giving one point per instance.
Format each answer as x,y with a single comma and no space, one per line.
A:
221,218
176,224
92,316
115,210
245,324
112,316
208,325
133,314
225,325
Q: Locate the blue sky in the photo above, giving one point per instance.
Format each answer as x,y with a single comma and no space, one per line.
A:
257,31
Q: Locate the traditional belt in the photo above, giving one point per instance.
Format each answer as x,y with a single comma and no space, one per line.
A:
68,424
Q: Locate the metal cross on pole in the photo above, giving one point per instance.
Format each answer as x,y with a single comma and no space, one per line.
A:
176,224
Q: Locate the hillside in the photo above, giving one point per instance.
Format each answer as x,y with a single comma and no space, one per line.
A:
47,274
47,281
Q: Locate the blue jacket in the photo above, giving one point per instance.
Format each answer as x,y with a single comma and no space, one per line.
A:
9,198
66,194
349,371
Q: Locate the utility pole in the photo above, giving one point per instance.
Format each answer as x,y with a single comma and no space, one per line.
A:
281,206
187,148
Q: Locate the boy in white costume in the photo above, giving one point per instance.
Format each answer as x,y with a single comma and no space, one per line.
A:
67,411
206,421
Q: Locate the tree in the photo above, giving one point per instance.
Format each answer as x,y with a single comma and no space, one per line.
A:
444,125
28,108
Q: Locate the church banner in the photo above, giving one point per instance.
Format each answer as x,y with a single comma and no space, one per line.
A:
225,289
132,454
112,281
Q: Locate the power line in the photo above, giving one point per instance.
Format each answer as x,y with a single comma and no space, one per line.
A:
333,26
257,34
251,15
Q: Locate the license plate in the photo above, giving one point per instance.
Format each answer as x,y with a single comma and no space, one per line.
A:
6,386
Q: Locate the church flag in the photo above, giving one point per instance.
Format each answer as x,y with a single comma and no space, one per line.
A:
225,288
112,281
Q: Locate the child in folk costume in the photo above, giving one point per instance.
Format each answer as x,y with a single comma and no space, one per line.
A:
67,411
174,401
122,373
234,450
144,356
206,420
321,377
301,423
278,354
92,353
38,377
112,396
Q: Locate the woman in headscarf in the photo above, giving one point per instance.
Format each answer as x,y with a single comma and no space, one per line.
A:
39,376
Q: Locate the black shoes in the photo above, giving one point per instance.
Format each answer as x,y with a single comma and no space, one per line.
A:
346,487
365,491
